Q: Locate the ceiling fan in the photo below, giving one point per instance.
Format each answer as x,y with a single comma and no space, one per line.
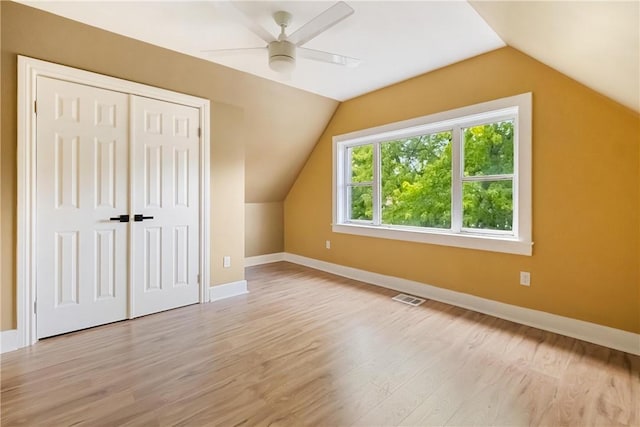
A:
283,50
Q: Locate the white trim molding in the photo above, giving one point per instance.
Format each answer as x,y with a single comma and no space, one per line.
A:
263,259
598,334
8,340
228,290
29,70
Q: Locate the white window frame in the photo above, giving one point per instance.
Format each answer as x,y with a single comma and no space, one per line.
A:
517,241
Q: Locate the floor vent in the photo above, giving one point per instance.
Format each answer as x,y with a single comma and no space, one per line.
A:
408,299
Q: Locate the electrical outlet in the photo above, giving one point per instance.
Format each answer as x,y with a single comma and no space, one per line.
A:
226,261
525,278
327,244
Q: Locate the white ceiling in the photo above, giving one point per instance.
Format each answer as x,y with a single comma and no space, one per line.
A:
595,42
395,40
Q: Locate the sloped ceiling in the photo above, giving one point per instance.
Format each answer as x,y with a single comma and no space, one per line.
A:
284,122
282,125
594,42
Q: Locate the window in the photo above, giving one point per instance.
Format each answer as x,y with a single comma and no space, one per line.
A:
458,178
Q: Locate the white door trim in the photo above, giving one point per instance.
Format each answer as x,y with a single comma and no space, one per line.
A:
28,71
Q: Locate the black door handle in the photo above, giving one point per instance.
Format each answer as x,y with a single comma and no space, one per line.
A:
121,218
140,217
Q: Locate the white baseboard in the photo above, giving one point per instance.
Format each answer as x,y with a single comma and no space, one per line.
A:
228,290
598,334
263,259
8,340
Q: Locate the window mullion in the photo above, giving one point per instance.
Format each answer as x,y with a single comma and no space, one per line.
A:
376,187
515,183
346,188
457,157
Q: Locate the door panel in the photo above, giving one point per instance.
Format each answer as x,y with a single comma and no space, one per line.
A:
165,160
105,267
152,258
66,266
153,177
105,174
82,181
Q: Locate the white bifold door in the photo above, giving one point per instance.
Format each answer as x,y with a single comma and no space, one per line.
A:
117,205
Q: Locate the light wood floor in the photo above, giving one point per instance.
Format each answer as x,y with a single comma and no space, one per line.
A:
308,348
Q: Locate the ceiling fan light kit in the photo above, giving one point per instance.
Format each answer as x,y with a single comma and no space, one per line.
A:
282,56
282,51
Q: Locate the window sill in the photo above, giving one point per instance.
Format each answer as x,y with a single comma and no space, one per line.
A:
486,242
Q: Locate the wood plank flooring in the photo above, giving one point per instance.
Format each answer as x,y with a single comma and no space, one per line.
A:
307,348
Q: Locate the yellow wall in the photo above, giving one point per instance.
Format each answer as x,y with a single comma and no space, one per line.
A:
30,32
585,195
264,228
227,193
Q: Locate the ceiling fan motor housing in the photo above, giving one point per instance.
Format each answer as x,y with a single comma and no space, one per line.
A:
282,56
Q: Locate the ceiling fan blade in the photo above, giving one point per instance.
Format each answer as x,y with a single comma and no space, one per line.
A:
318,55
320,23
238,51
232,11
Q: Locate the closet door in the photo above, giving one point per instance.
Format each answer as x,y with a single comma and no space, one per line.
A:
82,182
165,196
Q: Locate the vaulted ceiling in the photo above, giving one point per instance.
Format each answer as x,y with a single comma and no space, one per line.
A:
596,43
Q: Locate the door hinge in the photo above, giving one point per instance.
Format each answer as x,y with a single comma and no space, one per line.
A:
198,279
199,132
35,107
35,307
